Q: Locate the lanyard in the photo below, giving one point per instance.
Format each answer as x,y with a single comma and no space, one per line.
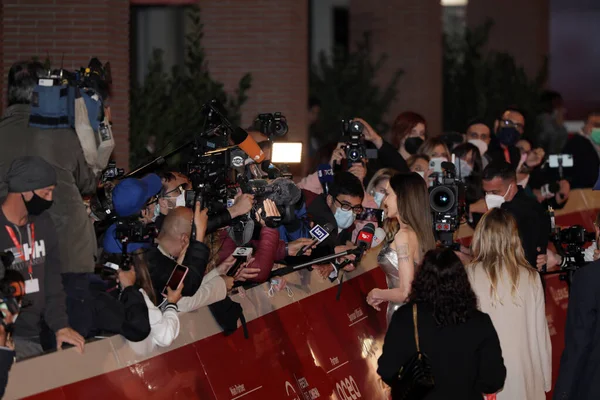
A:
20,248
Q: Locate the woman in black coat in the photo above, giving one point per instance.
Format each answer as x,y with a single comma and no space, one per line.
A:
460,341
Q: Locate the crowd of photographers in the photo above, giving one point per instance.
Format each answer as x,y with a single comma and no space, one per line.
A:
142,249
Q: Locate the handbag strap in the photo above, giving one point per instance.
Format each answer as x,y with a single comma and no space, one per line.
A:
416,329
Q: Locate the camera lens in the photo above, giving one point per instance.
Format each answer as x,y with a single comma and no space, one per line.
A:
442,199
353,155
281,128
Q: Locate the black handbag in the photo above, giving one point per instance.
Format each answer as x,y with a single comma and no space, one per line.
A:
415,378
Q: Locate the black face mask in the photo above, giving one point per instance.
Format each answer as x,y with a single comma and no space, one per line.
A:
37,205
412,144
508,135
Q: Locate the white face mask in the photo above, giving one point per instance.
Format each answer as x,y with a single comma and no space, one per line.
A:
464,168
422,173
180,201
480,144
156,212
378,196
344,219
495,200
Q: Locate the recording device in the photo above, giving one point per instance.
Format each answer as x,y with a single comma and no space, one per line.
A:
241,255
558,161
132,230
569,244
364,240
319,234
12,287
355,146
111,172
448,204
101,206
325,174
271,124
176,279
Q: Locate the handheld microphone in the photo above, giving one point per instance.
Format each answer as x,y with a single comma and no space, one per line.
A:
364,239
319,233
325,174
378,238
245,142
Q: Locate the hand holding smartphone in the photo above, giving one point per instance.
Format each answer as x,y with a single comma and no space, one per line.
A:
241,255
176,279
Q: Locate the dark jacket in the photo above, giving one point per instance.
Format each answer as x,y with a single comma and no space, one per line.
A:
579,374
495,153
49,302
533,223
387,157
161,267
586,163
61,148
466,359
7,358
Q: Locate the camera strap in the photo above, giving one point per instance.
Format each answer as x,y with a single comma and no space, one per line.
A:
19,245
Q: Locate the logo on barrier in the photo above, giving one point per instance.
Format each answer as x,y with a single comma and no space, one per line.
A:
347,389
288,387
319,233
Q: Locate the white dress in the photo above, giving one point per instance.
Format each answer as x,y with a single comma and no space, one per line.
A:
523,332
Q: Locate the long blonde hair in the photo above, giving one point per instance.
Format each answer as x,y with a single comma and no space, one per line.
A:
496,246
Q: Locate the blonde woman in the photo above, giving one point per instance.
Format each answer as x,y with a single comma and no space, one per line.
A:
406,198
510,291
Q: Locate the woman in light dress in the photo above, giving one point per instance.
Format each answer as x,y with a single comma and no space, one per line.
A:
406,200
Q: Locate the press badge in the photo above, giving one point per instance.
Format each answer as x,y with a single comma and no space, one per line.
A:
32,286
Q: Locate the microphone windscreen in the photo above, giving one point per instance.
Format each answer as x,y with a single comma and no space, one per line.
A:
285,192
378,237
325,173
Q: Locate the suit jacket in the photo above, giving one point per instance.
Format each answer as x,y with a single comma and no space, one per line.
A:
579,375
533,223
466,359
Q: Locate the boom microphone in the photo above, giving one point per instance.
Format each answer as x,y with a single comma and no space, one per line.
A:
245,142
325,174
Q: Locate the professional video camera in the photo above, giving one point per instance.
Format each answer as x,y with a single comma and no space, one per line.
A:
569,244
271,124
448,204
355,146
12,287
111,172
132,230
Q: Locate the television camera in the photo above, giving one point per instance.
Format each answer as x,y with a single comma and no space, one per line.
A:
448,205
569,244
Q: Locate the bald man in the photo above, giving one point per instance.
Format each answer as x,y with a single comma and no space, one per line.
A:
174,238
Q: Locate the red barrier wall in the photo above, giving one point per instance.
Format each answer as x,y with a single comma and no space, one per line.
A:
308,346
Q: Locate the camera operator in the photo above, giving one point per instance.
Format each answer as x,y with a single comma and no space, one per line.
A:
62,149
502,190
28,231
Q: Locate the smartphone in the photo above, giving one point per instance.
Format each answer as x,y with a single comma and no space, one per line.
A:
436,165
371,215
176,279
566,159
240,254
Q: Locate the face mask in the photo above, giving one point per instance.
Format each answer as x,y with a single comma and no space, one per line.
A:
156,212
508,135
378,196
37,205
422,173
465,169
495,200
412,144
344,219
480,144
180,201
595,135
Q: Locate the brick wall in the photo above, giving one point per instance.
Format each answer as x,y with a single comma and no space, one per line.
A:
269,39
410,33
79,30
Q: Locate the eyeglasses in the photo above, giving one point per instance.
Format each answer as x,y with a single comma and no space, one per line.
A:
512,124
348,207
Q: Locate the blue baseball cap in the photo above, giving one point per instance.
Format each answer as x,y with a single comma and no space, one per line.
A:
130,195
111,244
